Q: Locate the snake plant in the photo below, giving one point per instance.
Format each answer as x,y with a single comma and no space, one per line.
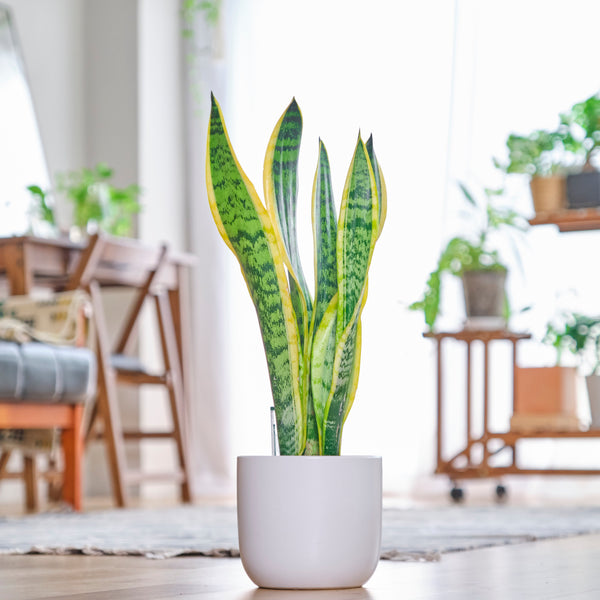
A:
312,346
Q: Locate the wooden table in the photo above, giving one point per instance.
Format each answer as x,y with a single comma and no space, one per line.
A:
27,262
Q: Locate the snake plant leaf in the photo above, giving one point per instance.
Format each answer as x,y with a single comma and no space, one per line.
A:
280,175
346,369
355,373
357,232
339,395
324,222
322,359
380,182
248,230
312,447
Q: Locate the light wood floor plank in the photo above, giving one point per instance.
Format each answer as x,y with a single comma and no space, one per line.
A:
550,570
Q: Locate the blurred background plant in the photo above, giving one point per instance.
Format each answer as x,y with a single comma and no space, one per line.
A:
96,203
578,334
474,251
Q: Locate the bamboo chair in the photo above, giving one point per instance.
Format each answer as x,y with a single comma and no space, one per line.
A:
118,262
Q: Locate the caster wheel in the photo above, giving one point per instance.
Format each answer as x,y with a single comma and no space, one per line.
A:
501,492
457,494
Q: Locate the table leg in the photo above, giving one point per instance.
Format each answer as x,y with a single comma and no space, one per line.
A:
439,403
18,269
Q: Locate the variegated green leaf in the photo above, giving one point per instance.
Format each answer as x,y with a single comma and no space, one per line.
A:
281,191
357,232
355,373
322,359
324,222
339,395
312,447
380,182
248,230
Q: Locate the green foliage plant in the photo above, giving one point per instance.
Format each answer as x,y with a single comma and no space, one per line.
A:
312,345
578,334
469,253
538,154
44,209
582,126
96,201
568,148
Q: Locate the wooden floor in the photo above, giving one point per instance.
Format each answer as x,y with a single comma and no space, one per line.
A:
557,569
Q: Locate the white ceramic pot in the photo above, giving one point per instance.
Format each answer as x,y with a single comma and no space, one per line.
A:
309,522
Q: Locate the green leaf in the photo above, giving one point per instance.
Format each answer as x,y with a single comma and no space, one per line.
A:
250,233
322,360
281,193
324,223
357,232
380,183
340,394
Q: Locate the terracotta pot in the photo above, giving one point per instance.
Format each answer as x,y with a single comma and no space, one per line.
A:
309,522
545,399
548,193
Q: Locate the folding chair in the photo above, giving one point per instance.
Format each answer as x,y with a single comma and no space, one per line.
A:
118,262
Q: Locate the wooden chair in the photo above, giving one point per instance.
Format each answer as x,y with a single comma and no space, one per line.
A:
44,386
109,262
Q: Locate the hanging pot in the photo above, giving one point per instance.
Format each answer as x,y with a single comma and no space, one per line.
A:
309,522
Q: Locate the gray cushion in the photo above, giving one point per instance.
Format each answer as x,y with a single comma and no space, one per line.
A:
37,372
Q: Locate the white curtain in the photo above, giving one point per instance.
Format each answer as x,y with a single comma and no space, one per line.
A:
440,85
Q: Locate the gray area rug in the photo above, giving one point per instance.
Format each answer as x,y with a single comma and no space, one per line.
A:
408,534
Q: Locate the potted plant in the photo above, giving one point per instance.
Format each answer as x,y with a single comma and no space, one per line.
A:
477,262
580,335
307,518
95,203
582,122
541,155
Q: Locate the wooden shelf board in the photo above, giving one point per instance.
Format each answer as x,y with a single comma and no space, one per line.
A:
581,219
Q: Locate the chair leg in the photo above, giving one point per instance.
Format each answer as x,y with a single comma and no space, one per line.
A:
108,402
4,458
72,443
31,487
175,387
55,486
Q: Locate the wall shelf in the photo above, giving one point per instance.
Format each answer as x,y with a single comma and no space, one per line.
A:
580,219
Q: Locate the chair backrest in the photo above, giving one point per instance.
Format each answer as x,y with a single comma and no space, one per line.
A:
120,262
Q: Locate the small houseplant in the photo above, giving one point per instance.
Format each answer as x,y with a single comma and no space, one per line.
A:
477,262
580,335
313,349
541,156
582,122
96,203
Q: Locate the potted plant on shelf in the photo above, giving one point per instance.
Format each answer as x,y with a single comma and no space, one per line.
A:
582,123
477,262
95,203
541,155
307,518
580,335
